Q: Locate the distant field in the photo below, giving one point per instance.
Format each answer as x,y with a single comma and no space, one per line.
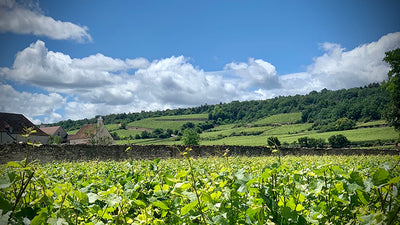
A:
279,118
372,123
169,122
72,132
283,126
291,133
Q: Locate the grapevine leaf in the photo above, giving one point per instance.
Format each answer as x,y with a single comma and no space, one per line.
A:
39,219
160,205
92,197
185,209
394,180
183,186
242,188
206,197
5,182
220,220
77,205
139,203
13,164
364,197
4,218
57,221
355,177
381,176
5,204
366,219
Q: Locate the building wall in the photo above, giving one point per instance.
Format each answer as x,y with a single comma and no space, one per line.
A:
10,138
103,136
5,138
61,133
79,141
97,134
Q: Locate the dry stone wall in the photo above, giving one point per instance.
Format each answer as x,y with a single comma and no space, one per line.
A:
49,153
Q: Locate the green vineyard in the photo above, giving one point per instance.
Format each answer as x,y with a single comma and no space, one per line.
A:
214,190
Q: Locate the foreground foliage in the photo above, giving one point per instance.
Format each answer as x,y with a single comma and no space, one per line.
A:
215,190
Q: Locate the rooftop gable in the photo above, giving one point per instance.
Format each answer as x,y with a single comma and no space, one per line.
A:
15,124
50,130
85,132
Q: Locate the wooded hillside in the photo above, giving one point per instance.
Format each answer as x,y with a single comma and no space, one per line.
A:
323,107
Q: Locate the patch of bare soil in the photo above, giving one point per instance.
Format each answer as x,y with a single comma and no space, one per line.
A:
139,129
194,119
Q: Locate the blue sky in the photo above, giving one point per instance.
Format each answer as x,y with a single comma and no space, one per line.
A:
77,59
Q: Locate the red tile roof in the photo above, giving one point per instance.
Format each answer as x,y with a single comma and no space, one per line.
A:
85,132
50,130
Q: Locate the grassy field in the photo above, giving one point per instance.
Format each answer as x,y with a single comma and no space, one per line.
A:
283,126
291,133
169,122
279,119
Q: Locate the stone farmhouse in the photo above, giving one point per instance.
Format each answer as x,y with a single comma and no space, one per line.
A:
12,128
55,131
92,134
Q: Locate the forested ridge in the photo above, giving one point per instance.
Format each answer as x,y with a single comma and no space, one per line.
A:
323,107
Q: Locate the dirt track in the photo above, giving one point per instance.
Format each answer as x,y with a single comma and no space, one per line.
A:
139,129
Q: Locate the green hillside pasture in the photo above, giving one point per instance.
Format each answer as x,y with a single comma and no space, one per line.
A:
291,133
127,133
169,122
203,116
239,131
243,135
372,123
112,127
356,135
72,132
279,118
230,130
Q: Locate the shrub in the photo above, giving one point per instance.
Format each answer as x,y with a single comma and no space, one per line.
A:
123,125
338,141
311,142
344,124
145,134
190,137
273,141
303,141
55,140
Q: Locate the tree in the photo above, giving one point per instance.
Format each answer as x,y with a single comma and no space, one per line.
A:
123,125
311,142
338,141
190,137
145,134
55,140
273,142
392,85
344,124
187,125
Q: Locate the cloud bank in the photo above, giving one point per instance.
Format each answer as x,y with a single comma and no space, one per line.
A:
98,84
25,19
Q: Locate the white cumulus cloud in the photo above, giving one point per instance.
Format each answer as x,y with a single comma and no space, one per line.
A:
22,19
31,104
100,85
256,74
339,68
